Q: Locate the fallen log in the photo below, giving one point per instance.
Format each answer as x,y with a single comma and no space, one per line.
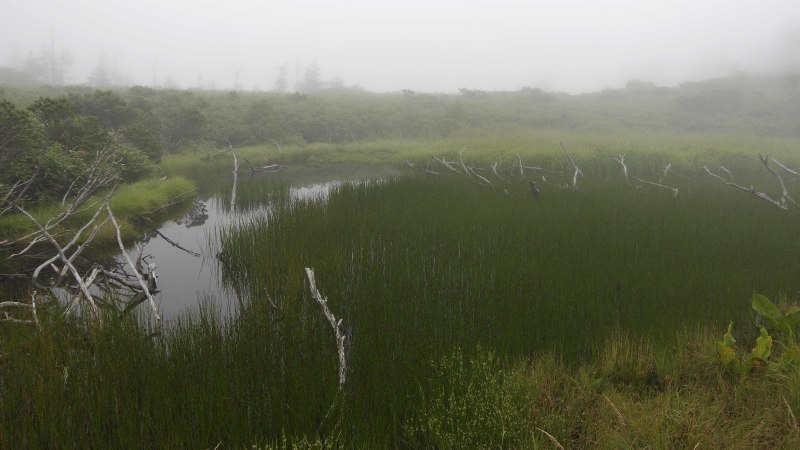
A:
266,168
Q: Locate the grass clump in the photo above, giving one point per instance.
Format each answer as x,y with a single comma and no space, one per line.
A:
474,403
143,197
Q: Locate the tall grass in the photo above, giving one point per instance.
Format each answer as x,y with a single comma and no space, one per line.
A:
561,305
419,265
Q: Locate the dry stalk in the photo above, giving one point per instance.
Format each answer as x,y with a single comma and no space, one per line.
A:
795,426
552,439
620,418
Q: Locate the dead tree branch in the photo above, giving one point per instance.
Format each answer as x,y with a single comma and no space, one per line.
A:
652,183
235,175
446,163
621,160
66,261
784,192
461,160
6,316
751,189
578,170
335,325
277,144
266,168
668,170
144,286
522,167
494,170
788,170
481,177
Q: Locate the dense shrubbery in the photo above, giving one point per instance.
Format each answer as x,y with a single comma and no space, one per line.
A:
181,118
56,141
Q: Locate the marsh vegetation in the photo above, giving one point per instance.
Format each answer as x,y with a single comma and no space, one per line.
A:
481,303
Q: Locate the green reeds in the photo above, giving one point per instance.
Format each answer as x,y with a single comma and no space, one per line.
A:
418,265
563,305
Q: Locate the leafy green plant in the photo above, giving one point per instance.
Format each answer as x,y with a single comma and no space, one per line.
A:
784,325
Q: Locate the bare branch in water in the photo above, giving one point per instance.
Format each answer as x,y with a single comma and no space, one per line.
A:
578,170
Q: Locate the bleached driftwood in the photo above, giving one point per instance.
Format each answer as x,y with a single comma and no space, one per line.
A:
781,202
135,269
790,171
494,170
621,160
446,163
62,256
472,169
235,177
335,325
653,183
277,144
667,170
523,167
578,170
265,168
7,316
751,189
785,196
461,160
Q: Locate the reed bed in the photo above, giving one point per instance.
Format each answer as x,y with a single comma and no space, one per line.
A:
473,317
419,265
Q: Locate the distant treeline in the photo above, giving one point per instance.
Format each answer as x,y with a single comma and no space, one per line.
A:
72,122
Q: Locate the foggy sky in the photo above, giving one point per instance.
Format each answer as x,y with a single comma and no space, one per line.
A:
434,46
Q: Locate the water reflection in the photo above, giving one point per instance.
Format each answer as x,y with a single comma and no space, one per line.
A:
185,249
196,215
317,191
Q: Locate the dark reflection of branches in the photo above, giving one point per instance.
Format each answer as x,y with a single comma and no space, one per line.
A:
147,223
195,216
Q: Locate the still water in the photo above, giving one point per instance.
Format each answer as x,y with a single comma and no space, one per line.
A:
187,267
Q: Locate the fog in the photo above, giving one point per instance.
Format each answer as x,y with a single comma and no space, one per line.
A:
434,46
